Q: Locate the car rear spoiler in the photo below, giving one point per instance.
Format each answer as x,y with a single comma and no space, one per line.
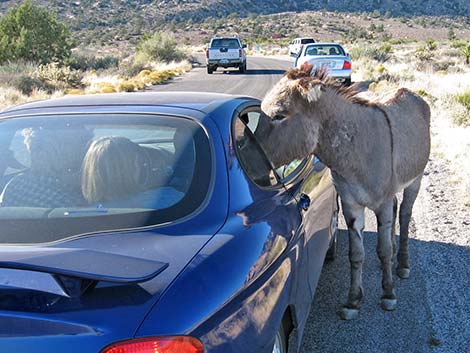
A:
79,270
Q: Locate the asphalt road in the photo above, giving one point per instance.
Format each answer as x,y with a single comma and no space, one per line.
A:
416,325
262,74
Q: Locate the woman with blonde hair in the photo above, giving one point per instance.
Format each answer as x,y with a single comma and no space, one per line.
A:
115,173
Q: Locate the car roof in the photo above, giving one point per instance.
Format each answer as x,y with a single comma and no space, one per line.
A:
198,101
324,43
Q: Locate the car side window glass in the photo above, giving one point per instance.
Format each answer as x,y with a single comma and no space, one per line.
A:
250,154
252,157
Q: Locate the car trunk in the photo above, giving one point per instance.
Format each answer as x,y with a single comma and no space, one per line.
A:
51,302
331,62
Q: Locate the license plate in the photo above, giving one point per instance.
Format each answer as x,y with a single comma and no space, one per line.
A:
328,64
224,61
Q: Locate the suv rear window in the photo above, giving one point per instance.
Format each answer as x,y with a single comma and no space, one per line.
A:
230,43
72,174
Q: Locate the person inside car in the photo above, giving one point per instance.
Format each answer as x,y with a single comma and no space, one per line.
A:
116,172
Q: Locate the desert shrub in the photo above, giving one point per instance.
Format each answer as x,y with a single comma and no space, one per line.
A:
160,47
465,51
464,99
426,95
20,75
131,68
126,86
27,84
31,33
89,62
458,43
381,54
442,65
463,117
61,77
423,54
431,45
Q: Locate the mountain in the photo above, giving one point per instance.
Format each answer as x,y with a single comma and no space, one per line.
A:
105,21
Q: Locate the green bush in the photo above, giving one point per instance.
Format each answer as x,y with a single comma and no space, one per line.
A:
89,62
381,54
27,84
158,47
31,33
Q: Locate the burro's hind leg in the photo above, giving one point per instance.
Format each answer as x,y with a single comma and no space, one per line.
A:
409,197
385,221
354,215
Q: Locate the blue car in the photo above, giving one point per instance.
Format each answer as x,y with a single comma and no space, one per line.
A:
155,223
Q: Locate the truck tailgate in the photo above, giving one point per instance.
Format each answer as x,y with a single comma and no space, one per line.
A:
223,53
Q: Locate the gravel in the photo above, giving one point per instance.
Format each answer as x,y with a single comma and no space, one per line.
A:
433,313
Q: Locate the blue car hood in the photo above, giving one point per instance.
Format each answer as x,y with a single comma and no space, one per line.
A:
87,292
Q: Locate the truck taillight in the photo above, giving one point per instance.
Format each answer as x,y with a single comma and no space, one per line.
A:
207,53
164,344
346,65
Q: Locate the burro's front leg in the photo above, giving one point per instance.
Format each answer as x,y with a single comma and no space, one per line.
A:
385,221
354,215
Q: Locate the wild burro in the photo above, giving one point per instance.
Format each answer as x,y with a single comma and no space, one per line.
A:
374,151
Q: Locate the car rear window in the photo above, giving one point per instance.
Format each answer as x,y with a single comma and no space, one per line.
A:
324,49
307,41
230,43
72,174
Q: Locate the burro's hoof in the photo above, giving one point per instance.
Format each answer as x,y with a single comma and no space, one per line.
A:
348,313
388,304
403,273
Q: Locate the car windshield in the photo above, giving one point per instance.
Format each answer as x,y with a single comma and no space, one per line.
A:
230,43
324,49
72,174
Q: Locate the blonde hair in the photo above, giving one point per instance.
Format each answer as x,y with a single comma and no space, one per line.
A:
111,169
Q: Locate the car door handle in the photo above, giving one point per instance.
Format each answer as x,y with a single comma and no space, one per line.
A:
304,201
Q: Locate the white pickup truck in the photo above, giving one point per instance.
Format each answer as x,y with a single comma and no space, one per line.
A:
225,52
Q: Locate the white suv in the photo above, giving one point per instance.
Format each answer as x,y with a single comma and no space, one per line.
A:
296,45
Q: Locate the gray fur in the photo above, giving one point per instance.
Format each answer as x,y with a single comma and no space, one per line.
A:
374,151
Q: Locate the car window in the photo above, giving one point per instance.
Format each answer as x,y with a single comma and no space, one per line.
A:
252,157
114,166
307,41
225,43
324,49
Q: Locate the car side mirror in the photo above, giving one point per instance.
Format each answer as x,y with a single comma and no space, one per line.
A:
244,46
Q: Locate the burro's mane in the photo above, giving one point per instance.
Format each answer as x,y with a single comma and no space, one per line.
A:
305,77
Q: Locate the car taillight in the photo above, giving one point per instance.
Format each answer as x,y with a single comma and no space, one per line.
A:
346,65
207,53
240,52
165,344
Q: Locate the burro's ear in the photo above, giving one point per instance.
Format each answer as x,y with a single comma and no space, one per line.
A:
310,89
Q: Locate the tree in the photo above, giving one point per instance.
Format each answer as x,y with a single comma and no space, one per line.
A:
31,33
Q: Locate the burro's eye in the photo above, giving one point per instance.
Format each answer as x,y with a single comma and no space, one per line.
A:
279,117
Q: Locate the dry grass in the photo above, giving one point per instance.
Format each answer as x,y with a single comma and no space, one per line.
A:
98,83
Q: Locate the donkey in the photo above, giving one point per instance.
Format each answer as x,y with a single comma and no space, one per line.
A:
374,151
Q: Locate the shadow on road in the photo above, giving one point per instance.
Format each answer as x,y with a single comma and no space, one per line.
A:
255,72
411,327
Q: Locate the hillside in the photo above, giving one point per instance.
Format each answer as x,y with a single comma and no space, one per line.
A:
108,22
